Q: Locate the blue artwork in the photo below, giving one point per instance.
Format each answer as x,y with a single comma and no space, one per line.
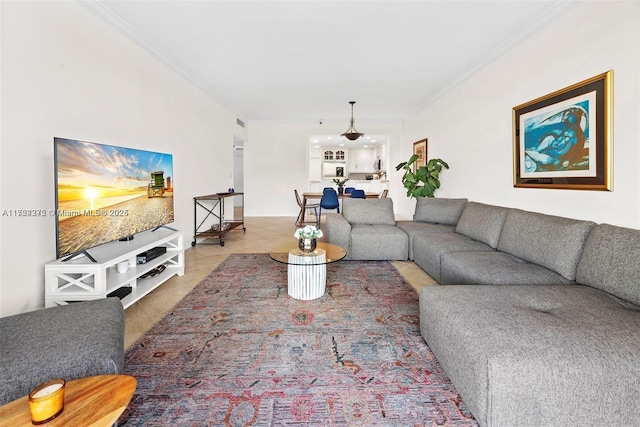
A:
557,139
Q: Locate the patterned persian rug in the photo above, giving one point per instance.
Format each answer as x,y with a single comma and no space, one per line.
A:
238,351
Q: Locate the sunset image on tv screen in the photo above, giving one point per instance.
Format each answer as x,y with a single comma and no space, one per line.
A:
106,193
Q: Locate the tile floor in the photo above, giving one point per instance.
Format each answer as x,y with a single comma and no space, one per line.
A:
262,234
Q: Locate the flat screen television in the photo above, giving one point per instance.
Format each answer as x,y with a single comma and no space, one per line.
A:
105,193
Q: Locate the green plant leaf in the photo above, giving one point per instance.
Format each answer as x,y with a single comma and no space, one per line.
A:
425,180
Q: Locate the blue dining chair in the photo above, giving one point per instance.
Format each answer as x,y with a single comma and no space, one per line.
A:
358,194
329,200
348,190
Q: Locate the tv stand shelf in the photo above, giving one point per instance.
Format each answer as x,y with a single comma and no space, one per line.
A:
80,279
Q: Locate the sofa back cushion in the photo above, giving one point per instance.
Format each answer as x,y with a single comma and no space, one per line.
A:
482,222
368,211
439,211
550,241
610,262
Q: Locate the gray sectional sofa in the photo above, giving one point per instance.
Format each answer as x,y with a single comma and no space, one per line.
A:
539,321
494,245
70,342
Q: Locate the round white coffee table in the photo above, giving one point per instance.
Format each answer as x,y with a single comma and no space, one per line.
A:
307,271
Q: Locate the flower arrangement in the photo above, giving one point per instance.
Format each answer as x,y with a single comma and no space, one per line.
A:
341,182
308,232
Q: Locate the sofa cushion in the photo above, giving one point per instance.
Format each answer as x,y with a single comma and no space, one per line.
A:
439,211
536,355
378,242
494,268
551,241
368,211
414,228
611,261
428,250
482,222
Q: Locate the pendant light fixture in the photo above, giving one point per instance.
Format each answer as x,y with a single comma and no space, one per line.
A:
352,134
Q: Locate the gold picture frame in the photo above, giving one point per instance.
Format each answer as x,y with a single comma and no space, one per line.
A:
563,139
420,149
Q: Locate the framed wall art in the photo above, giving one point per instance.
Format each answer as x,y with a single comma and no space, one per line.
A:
563,140
420,149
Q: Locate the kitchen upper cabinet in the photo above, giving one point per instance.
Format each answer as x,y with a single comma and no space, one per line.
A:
334,155
361,160
334,164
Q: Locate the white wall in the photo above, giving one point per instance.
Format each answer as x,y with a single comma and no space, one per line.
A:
66,73
276,158
471,126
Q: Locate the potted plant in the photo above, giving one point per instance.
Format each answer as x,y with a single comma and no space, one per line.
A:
425,180
340,183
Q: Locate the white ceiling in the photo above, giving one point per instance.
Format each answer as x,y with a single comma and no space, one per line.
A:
305,60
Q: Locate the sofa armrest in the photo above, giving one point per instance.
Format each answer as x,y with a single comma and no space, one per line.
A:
70,341
337,231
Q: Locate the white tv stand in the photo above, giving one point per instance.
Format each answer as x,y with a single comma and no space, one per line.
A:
80,279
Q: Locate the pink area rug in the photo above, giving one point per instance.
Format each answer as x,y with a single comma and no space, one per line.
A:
238,351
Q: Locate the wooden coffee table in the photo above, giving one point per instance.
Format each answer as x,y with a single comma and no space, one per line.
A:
307,272
88,402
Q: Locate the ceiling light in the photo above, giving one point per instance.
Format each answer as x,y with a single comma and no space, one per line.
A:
352,134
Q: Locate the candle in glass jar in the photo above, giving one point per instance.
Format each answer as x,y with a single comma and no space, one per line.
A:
47,401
